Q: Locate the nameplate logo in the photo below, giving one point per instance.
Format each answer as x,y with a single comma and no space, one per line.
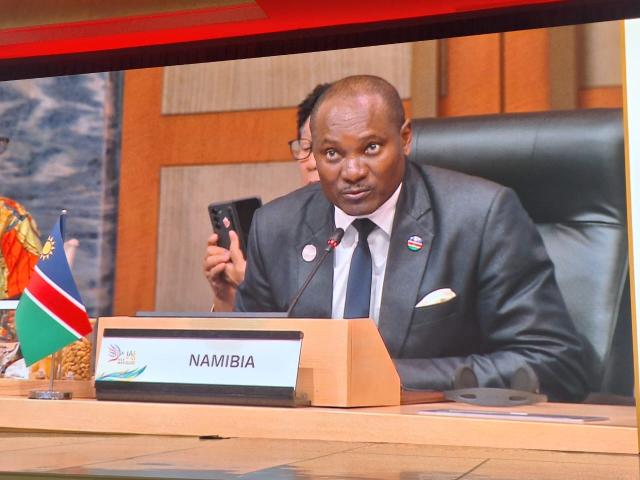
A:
229,358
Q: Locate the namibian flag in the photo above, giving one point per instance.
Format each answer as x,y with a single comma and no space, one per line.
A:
50,314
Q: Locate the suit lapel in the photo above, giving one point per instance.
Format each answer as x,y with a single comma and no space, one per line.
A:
405,268
317,299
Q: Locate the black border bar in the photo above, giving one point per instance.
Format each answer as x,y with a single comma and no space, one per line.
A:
328,38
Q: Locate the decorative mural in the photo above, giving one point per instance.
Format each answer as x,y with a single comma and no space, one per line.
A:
63,154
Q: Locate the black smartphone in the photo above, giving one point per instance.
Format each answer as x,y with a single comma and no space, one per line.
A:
235,215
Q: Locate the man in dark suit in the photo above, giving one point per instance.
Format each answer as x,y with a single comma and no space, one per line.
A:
453,271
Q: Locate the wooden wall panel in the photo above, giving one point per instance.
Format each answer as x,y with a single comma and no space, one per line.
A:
473,79
533,70
184,223
424,79
600,45
151,141
563,68
603,97
601,71
276,82
526,71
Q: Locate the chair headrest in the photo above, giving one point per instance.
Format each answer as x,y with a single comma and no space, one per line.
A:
566,166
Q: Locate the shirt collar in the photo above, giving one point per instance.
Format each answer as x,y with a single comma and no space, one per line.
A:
382,217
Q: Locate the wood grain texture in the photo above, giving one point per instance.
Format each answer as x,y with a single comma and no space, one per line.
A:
424,79
473,78
356,464
11,441
602,97
222,458
382,424
370,374
563,67
277,82
21,388
600,55
76,450
526,85
498,453
184,224
56,454
561,470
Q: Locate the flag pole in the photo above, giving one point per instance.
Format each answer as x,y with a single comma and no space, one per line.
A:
63,221
53,371
63,218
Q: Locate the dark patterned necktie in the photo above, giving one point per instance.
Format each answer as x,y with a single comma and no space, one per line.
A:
359,283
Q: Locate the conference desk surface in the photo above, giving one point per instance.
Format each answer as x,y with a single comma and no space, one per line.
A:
111,439
45,455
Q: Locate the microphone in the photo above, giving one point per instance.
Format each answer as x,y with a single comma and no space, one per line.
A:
332,242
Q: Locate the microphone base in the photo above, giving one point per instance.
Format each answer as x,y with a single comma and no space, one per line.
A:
494,397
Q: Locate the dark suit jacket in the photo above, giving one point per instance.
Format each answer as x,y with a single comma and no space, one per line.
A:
478,241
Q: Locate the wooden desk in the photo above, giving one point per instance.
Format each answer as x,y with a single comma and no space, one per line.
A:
396,425
132,456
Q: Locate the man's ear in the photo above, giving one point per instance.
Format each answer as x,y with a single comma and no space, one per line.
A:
406,133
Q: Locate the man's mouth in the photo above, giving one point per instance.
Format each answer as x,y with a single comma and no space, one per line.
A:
355,194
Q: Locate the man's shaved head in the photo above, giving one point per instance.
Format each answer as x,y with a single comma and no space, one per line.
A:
365,85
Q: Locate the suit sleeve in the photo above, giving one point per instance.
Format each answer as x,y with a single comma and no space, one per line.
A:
520,312
254,294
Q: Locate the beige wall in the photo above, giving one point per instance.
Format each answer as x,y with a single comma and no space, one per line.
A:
601,55
277,82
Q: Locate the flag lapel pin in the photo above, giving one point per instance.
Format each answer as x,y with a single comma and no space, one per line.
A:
415,243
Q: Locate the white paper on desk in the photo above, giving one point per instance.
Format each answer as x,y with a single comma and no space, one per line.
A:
510,415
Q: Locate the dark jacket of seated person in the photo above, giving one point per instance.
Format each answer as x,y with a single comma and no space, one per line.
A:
477,241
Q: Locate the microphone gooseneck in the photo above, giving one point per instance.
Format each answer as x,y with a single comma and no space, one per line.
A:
332,242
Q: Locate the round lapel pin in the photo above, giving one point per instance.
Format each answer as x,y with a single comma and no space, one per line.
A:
309,253
415,243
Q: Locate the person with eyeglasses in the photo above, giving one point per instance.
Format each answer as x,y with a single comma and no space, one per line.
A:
224,269
301,146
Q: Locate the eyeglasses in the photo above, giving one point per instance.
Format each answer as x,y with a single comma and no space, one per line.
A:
4,143
300,148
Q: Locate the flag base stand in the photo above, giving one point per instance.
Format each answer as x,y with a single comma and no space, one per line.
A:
49,395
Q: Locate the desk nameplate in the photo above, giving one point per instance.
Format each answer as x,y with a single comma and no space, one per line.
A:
199,366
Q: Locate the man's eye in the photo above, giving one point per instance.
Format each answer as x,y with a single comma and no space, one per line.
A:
373,148
331,154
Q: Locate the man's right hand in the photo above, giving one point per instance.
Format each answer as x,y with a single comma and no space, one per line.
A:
225,270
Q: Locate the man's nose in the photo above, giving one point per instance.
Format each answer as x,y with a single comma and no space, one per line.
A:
354,169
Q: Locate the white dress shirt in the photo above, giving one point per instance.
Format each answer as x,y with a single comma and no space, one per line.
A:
378,241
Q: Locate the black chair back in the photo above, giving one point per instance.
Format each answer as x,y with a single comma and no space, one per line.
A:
568,170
